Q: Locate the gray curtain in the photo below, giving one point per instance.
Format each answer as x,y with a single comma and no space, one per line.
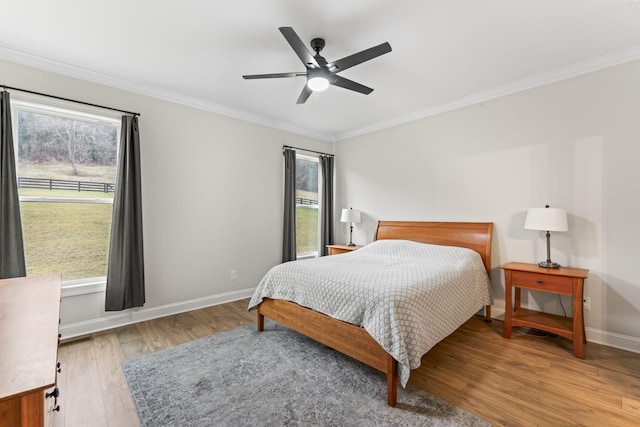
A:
125,271
289,250
326,204
12,262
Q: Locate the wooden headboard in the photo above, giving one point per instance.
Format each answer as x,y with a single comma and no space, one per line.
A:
472,235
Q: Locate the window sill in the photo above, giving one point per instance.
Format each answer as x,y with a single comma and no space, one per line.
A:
73,288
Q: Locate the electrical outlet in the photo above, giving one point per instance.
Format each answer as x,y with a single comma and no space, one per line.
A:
586,303
234,275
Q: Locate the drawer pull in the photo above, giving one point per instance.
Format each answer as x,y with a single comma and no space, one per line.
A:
57,408
539,280
55,393
58,367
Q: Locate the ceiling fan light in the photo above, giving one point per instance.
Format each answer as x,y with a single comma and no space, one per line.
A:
318,84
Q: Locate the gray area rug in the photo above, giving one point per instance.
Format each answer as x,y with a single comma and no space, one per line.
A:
278,377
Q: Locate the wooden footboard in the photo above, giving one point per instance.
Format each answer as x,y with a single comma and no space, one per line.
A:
352,340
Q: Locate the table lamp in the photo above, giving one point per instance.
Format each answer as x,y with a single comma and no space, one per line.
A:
351,216
547,219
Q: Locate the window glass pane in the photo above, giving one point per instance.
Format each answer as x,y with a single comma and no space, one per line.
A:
58,153
306,206
67,238
63,156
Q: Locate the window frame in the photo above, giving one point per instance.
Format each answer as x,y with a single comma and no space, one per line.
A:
74,111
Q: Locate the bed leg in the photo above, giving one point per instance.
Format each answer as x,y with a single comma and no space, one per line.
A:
260,321
392,381
487,313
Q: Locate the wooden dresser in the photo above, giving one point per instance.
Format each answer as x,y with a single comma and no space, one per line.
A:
29,319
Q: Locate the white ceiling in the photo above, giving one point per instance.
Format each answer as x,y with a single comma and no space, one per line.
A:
446,53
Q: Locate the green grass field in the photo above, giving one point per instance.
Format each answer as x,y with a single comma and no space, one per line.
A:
64,193
306,229
67,238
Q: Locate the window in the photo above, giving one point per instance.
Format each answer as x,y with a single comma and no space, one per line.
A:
306,206
66,166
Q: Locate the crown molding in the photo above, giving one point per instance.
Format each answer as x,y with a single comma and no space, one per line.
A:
591,65
80,73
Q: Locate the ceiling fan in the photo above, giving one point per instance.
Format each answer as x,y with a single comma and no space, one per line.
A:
320,73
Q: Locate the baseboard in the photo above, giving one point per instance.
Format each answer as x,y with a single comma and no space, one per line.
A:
136,315
611,339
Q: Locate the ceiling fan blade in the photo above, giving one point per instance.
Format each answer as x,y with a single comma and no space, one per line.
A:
304,95
299,48
272,76
359,58
350,84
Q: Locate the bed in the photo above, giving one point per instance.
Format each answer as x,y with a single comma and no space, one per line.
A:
365,303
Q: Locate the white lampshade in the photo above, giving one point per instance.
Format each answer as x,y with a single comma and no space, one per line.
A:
350,215
546,219
318,84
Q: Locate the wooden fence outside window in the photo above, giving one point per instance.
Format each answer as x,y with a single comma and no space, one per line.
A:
61,184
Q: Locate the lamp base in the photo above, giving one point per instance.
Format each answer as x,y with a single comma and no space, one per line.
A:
351,244
548,264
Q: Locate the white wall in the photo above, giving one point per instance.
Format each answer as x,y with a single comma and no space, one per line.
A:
574,144
212,201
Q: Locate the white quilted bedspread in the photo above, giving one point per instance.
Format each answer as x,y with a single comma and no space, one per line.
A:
407,295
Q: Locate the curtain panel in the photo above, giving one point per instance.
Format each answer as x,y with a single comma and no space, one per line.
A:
12,259
326,204
125,270
289,250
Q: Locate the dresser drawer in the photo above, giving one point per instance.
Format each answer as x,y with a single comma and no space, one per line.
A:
542,282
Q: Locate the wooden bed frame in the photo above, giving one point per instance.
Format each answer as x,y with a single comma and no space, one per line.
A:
354,340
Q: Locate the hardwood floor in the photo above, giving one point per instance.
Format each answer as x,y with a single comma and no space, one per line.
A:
525,381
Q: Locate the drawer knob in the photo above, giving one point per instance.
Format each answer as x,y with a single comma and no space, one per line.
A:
58,367
539,280
55,393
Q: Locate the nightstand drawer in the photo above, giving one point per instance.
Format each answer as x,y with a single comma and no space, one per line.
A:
542,282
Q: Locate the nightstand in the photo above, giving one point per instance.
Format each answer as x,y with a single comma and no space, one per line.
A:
564,281
340,249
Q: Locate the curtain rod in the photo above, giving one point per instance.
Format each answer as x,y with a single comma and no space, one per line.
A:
4,87
311,151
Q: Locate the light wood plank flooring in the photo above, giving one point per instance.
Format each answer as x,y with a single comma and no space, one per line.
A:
525,381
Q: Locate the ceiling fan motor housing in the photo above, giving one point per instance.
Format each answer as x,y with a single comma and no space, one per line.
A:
317,45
